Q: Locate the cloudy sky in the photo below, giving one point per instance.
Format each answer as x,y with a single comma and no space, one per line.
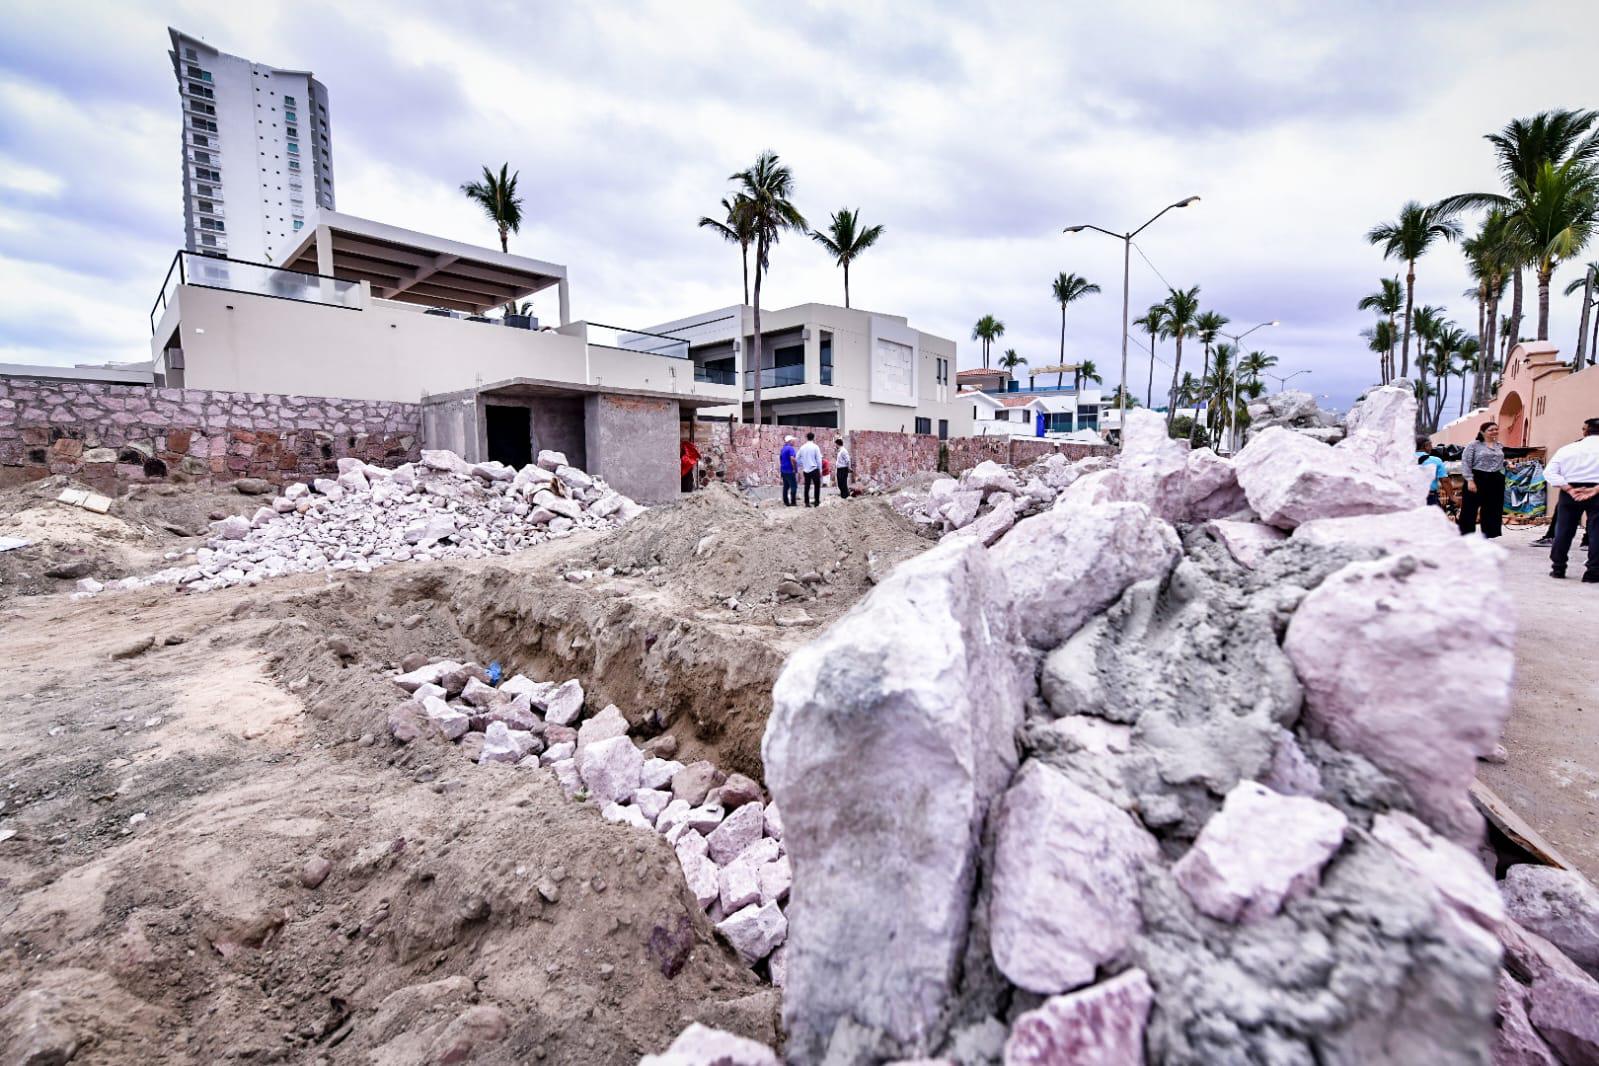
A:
973,132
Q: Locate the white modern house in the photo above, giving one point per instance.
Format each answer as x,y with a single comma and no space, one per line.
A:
822,365
1050,413
257,150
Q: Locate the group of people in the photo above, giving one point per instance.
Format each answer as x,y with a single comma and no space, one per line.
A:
1574,472
806,461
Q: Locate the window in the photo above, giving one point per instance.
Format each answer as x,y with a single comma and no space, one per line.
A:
943,429
294,164
1001,415
295,148
189,53
202,124
924,425
195,72
288,101
298,223
200,139
974,412
288,116
202,157
204,190
208,240
291,131
207,206
208,175
827,359
212,224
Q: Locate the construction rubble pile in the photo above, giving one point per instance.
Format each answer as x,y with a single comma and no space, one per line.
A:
989,498
1175,770
439,508
1298,411
729,842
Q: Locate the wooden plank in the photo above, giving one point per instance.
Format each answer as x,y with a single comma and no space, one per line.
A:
1515,827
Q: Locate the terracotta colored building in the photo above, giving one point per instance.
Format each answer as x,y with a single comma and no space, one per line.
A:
1540,403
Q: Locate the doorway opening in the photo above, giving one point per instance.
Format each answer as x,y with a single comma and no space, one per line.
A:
510,434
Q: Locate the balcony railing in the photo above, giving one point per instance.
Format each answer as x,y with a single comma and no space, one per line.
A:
636,340
256,279
713,375
776,377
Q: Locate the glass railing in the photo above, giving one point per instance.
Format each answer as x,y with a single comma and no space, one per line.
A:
776,377
258,279
634,340
714,375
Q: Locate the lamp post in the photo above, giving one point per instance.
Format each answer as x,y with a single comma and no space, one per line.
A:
1284,379
1127,268
1238,358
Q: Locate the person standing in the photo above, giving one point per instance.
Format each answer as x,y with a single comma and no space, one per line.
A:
810,464
1433,465
1575,472
1482,464
788,466
842,465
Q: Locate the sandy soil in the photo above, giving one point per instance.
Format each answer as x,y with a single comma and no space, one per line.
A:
158,812
1552,777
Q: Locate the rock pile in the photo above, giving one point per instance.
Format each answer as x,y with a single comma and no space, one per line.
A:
728,840
1295,410
989,498
1173,771
442,507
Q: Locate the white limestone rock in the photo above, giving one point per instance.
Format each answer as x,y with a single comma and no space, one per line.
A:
603,726
699,1045
1065,891
627,815
1098,1026
651,802
1562,906
1291,479
658,773
563,706
451,722
754,931
1420,618
551,460
1063,567
610,768
505,745
1258,852
926,664
1247,542
740,829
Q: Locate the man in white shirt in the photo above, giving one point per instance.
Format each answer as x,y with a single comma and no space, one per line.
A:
1575,472
841,465
810,464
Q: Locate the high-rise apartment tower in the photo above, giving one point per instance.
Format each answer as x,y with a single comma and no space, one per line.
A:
257,149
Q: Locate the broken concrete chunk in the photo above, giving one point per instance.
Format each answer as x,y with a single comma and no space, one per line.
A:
551,460
505,745
1258,852
233,527
1418,619
699,1045
1562,906
610,768
1065,894
1099,1026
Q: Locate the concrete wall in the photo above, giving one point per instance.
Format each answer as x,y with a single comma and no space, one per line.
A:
1539,403
111,435
460,424
387,351
633,444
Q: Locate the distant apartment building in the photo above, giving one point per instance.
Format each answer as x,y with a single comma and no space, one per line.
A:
257,150
821,365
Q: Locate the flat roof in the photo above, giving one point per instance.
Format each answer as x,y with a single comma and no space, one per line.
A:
417,268
115,374
522,387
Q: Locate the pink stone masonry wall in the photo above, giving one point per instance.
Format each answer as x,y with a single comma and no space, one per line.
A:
112,435
747,454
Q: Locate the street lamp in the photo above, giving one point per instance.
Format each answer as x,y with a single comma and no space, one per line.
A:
1238,357
1284,379
1127,267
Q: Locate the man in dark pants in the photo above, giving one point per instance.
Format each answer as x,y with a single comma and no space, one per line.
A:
1575,472
788,466
841,462
810,464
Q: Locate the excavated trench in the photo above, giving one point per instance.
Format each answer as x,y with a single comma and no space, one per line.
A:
667,667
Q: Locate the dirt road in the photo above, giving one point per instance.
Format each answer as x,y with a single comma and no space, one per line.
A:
1552,778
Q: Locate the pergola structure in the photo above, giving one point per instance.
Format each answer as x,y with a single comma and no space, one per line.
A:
418,268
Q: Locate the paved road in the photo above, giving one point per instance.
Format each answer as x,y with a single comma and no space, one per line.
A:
1552,778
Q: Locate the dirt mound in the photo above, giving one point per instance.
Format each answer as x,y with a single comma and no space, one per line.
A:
164,813
718,549
69,543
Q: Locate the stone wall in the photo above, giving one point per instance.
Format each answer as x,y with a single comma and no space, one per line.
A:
112,435
882,459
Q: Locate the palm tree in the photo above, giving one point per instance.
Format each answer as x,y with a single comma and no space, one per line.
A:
1492,255
496,194
1523,148
1381,338
1254,364
1122,398
1180,320
1218,386
1207,325
1068,288
768,188
1151,322
1010,360
1470,365
736,227
844,241
1429,324
1589,284
1087,372
1408,239
988,330
1389,299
